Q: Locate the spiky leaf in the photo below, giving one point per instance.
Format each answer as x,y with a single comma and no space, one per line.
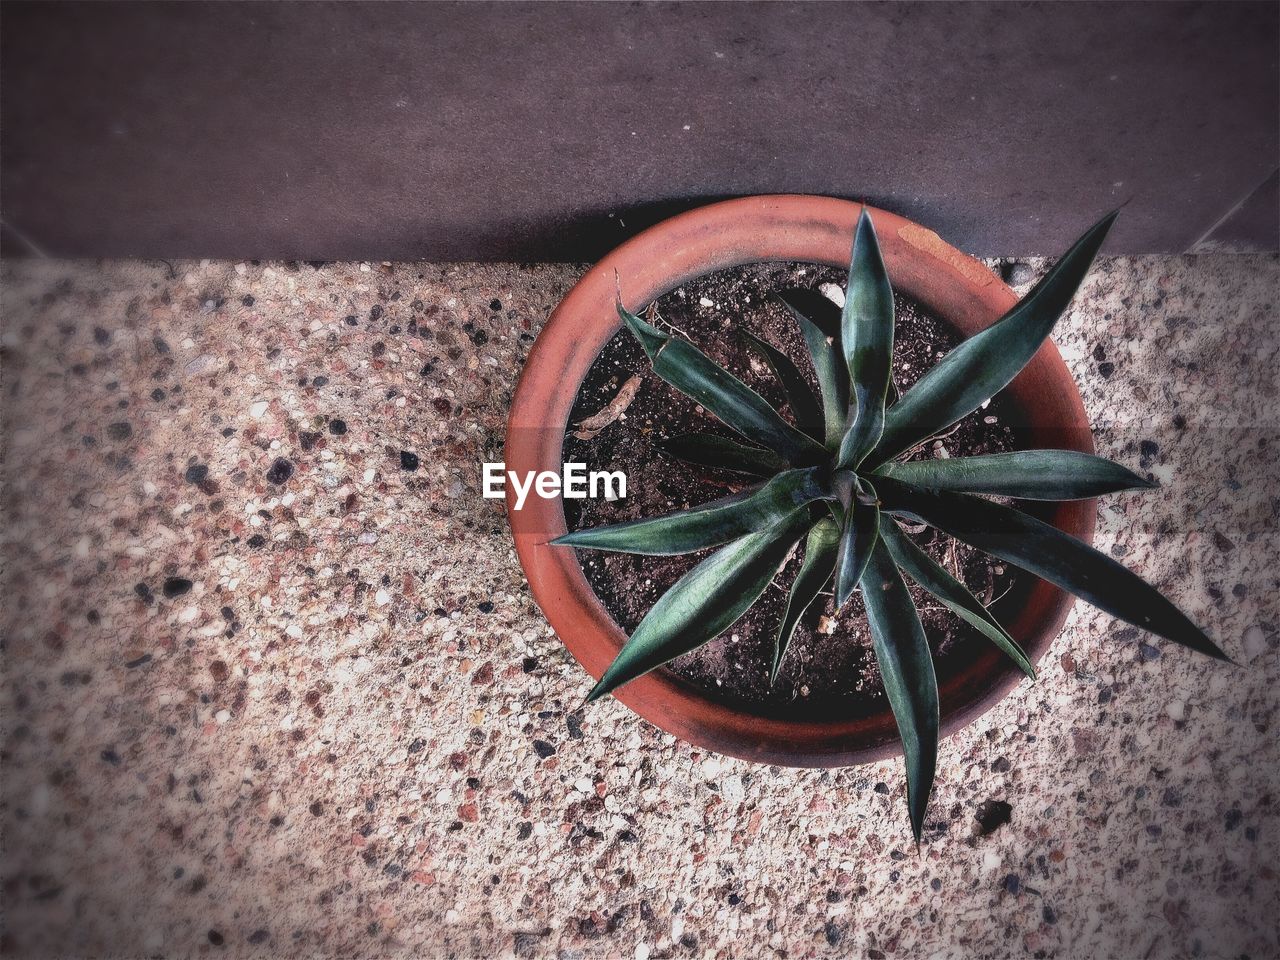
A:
705,602
953,594
804,405
985,363
819,322
1049,553
1024,474
816,307
696,375
866,334
721,453
859,530
907,670
709,524
815,573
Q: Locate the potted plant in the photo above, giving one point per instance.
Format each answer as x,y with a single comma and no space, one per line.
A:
842,473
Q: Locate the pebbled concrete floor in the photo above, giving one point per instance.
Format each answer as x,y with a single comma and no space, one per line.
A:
268,691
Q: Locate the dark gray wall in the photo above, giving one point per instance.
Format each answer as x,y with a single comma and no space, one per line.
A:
552,131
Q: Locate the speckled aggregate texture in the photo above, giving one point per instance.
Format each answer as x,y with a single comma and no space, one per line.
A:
274,683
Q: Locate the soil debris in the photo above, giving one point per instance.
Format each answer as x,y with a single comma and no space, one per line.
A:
590,428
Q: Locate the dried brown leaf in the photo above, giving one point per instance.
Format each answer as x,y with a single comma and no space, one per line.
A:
588,429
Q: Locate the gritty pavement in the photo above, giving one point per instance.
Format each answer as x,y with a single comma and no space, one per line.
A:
273,684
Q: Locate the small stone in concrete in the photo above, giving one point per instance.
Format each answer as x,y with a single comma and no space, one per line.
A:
991,815
176,587
281,470
1017,273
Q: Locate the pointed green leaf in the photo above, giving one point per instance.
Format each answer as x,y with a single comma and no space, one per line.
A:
866,333
1051,554
906,666
815,307
804,405
693,373
1024,474
816,315
651,339
709,524
953,594
815,573
984,364
858,533
721,453
705,602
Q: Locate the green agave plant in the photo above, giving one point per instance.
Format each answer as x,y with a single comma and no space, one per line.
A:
834,479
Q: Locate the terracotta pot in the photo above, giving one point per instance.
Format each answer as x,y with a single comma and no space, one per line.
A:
955,287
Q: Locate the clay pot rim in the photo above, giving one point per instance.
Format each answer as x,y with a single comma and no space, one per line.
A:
952,285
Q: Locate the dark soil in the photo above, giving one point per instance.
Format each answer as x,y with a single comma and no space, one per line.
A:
829,667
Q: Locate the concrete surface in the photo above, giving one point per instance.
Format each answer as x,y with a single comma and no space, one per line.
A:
552,131
349,735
